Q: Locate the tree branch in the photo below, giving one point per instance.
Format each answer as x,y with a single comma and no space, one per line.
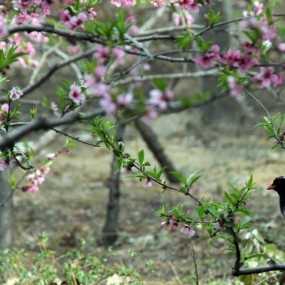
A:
42,123
52,30
134,79
259,269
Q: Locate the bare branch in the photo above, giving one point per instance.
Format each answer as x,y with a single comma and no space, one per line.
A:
167,76
259,269
42,123
52,30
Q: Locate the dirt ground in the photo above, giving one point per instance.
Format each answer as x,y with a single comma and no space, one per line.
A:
72,202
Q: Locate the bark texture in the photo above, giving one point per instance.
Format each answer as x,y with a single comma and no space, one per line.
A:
6,207
111,227
156,148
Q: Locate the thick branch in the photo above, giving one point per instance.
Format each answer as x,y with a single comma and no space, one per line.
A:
259,269
44,124
52,30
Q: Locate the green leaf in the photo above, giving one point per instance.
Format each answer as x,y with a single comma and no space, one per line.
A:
255,255
185,40
9,56
202,44
160,83
228,198
214,17
141,157
70,143
179,176
192,178
33,112
213,210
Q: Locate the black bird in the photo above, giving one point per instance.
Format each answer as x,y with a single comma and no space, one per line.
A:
279,186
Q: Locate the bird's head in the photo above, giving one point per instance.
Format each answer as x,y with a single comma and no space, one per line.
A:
278,185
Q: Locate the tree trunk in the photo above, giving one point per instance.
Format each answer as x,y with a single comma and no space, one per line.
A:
6,205
110,229
156,148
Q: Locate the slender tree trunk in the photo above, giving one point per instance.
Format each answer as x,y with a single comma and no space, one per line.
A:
110,229
156,148
6,205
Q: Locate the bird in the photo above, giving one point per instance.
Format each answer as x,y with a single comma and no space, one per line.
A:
279,186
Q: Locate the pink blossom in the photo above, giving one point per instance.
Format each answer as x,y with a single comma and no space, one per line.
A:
160,99
123,3
168,95
268,32
131,18
100,71
74,49
3,164
15,93
150,114
64,16
5,108
36,179
124,100
3,29
257,8
53,106
102,54
158,3
118,54
235,89
76,22
30,188
148,183
76,94
156,99
182,18
173,225
281,47
3,113
126,170
209,58
235,59
95,87
266,77
191,5
187,230
108,105
51,156
92,14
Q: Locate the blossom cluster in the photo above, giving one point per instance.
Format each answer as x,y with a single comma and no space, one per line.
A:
38,176
260,28
172,224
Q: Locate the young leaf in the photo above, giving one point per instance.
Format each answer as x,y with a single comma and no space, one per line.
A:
141,157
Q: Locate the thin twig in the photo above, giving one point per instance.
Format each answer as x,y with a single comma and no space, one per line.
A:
74,138
259,102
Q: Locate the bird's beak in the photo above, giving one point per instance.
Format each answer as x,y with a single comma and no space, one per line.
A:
271,187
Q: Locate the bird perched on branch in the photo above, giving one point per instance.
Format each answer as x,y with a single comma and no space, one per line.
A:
279,186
